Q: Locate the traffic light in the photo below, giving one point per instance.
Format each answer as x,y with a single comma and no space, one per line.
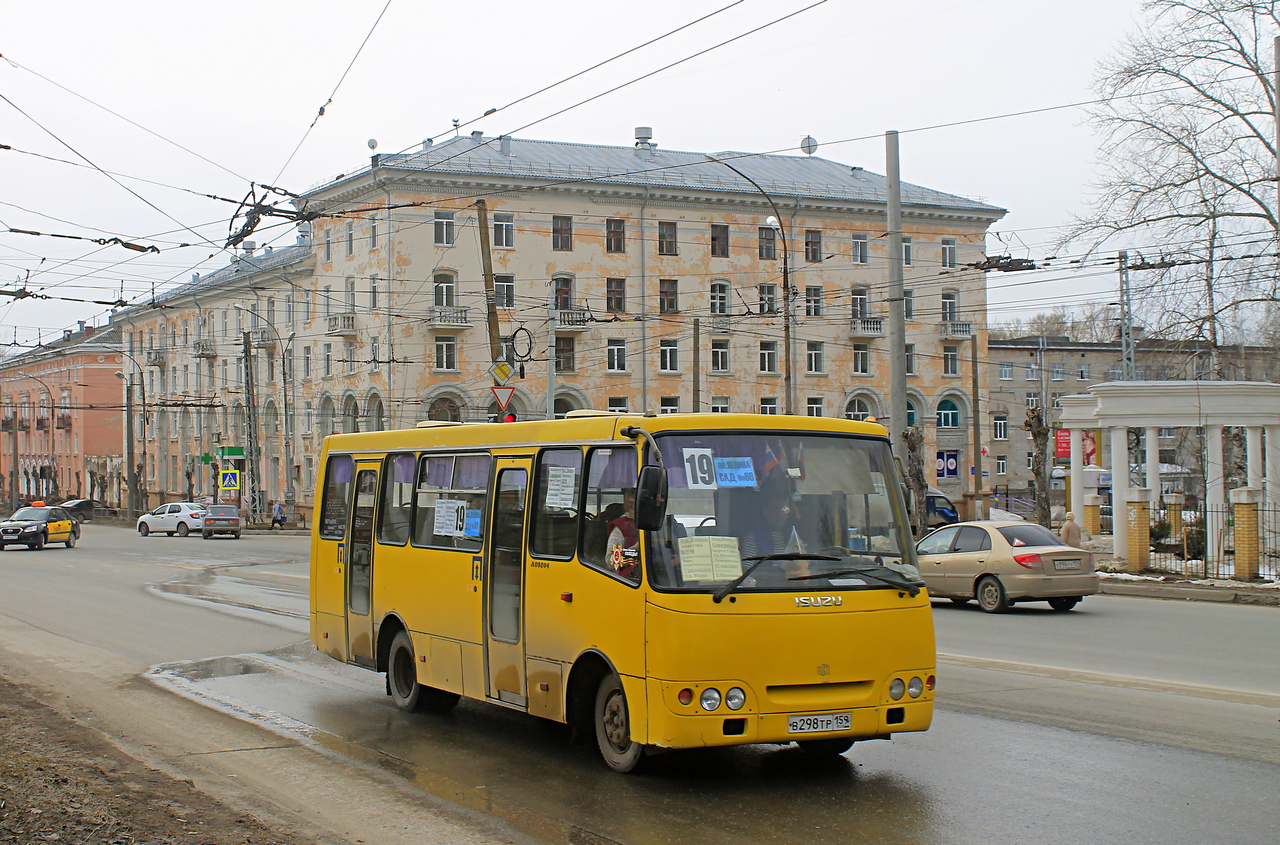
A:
509,417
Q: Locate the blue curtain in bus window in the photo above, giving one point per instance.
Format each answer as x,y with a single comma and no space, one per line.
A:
396,503
337,497
613,468
438,472
472,472
556,503
403,467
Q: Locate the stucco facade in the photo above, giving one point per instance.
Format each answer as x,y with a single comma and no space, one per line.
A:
650,277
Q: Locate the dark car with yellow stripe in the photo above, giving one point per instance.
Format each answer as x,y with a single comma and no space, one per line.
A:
33,527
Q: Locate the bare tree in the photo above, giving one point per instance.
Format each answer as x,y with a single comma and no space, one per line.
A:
1093,322
1188,161
1038,426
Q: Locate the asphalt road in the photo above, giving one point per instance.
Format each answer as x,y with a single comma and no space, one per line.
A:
1125,720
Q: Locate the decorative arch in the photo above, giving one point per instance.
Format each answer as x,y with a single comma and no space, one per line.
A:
571,398
328,415
350,414
952,406
270,427
863,402
444,400
374,412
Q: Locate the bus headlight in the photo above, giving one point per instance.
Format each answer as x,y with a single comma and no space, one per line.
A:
710,699
915,687
896,689
735,698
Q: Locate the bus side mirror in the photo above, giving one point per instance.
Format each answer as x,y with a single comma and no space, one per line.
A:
651,497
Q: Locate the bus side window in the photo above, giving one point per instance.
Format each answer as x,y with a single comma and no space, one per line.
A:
396,507
471,474
435,476
338,476
556,503
609,471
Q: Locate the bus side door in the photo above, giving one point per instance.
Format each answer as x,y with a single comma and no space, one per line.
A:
504,583
359,554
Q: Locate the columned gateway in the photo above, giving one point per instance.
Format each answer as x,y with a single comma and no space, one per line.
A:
1117,407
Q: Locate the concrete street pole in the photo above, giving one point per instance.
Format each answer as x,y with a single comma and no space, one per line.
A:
897,302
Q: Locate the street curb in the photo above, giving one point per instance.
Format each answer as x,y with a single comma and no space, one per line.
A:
1179,591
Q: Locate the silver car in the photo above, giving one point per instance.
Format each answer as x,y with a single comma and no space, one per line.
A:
1000,563
179,518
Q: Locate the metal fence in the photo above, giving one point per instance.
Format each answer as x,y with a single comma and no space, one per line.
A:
1194,554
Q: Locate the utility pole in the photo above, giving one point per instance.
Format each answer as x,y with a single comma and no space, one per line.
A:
978,503
490,296
697,365
1127,365
131,470
897,302
249,482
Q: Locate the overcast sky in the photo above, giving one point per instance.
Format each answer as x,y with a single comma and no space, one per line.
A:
209,97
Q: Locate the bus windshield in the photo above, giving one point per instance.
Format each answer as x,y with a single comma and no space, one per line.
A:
736,497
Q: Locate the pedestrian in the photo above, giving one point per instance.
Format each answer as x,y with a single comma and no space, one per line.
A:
277,514
1070,532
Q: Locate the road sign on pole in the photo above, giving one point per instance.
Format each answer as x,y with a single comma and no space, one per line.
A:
502,372
503,396
229,479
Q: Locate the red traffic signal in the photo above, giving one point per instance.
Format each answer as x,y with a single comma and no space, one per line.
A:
508,417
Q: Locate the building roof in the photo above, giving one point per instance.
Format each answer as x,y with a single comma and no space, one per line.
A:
781,176
85,339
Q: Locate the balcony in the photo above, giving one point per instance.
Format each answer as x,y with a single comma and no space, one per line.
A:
263,338
42,423
64,421
866,327
953,330
204,348
571,319
342,325
155,358
24,423
6,424
719,324
449,316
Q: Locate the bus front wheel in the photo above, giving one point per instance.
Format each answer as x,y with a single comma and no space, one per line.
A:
613,726
402,681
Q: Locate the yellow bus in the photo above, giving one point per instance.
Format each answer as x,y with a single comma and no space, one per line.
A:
659,581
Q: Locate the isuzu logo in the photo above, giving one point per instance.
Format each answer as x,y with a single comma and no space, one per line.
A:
819,601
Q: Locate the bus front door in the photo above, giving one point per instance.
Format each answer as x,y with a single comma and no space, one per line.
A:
359,554
504,585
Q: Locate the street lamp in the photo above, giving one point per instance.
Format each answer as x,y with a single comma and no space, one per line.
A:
775,223
42,493
286,376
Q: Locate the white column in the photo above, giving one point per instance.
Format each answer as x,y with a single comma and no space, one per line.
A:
1273,466
1119,490
1153,463
1215,497
1253,443
1076,505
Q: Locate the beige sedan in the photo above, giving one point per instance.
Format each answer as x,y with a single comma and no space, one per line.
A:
1000,563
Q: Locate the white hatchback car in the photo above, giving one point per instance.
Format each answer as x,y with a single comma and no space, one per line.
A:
179,518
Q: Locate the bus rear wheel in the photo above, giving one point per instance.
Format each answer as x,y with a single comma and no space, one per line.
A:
613,726
402,681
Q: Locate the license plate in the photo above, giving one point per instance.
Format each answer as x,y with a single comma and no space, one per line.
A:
819,723
1066,564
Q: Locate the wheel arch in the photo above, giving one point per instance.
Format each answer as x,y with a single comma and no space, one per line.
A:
391,625
580,688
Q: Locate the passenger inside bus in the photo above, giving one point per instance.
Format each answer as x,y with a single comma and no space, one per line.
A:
623,544
777,531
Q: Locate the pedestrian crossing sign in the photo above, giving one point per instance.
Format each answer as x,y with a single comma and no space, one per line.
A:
229,479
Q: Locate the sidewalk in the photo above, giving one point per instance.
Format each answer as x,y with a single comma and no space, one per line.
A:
1176,587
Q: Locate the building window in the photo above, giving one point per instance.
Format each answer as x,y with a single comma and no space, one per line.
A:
768,356
373,354
950,306
668,296
768,298
328,248
813,301
447,352
950,254
1006,370
814,357
768,404
562,293
948,414
860,302
328,359
615,235
1002,464
444,228
815,406
615,295
306,364
444,290
373,295
719,404
1000,427
719,240
564,354
720,355
719,297
861,359
561,232
857,409
813,245
504,291
618,404
504,230
911,414
910,349
1031,460
616,355
667,244
668,356
1033,400
1057,372
906,252
373,235
669,405
767,243
351,238
860,252
908,305
1033,372
951,360
349,355
1082,372
1054,400
1166,433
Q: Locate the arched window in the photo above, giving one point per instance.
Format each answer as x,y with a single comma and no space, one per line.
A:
328,413
373,414
563,406
719,297
444,409
950,306
445,289
350,415
948,414
857,409
911,413
861,302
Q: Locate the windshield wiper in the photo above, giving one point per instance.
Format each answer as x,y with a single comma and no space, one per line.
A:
736,582
865,571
